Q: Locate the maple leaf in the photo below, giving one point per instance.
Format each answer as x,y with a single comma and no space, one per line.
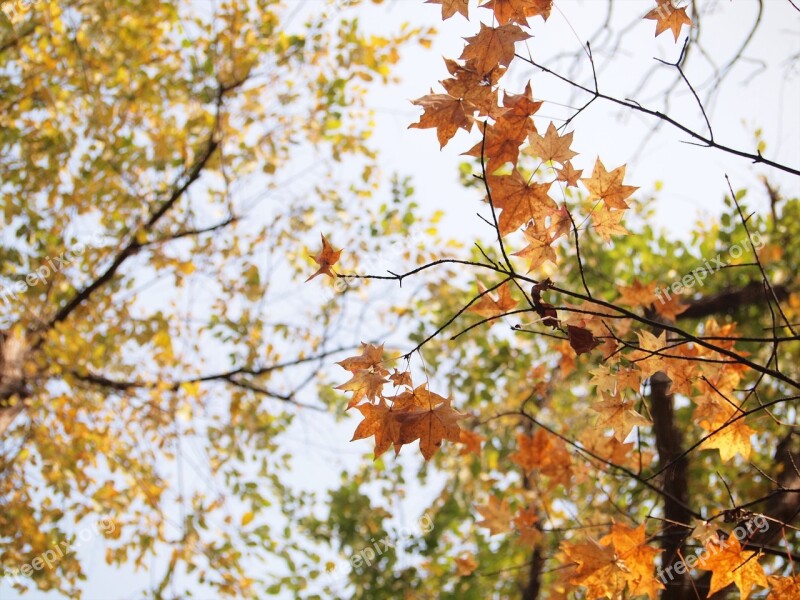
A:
363,384
524,523
493,46
519,201
401,378
431,425
451,7
379,421
670,308
668,16
539,247
729,564
647,357
638,558
368,374
325,259
782,588
477,89
620,415
518,11
489,307
560,222
597,569
466,564
569,174
732,440
551,146
582,340
472,442
607,186
606,222
371,357
519,108
500,144
637,294
496,515
420,397
546,453
444,112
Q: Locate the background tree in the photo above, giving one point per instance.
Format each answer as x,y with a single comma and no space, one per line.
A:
150,360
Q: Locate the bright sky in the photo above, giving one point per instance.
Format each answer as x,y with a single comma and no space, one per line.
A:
693,177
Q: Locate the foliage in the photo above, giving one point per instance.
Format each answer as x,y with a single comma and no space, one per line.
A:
620,439
146,336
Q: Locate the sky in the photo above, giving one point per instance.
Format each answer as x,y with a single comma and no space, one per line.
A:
693,177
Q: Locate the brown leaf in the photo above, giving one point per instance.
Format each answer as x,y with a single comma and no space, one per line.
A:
493,46
519,201
451,7
582,340
518,11
444,112
325,259
607,186
551,146
489,307
668,16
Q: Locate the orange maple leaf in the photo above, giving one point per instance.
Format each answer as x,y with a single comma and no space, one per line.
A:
620,415
782,588
493,46
539,247
379,421
606,222
472,442
519,108
551,146
639,558
325,259
597,569
429,418
496,515
519,201
668,16
545,453
569,174
473,87
489,307
607,186
444,112
733,439
729,564
451,7
518,11
500,144
466,564
637,294
647,357
525,523
369,374
399,378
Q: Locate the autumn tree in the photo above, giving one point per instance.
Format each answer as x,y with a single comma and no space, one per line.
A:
149,156
611,411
